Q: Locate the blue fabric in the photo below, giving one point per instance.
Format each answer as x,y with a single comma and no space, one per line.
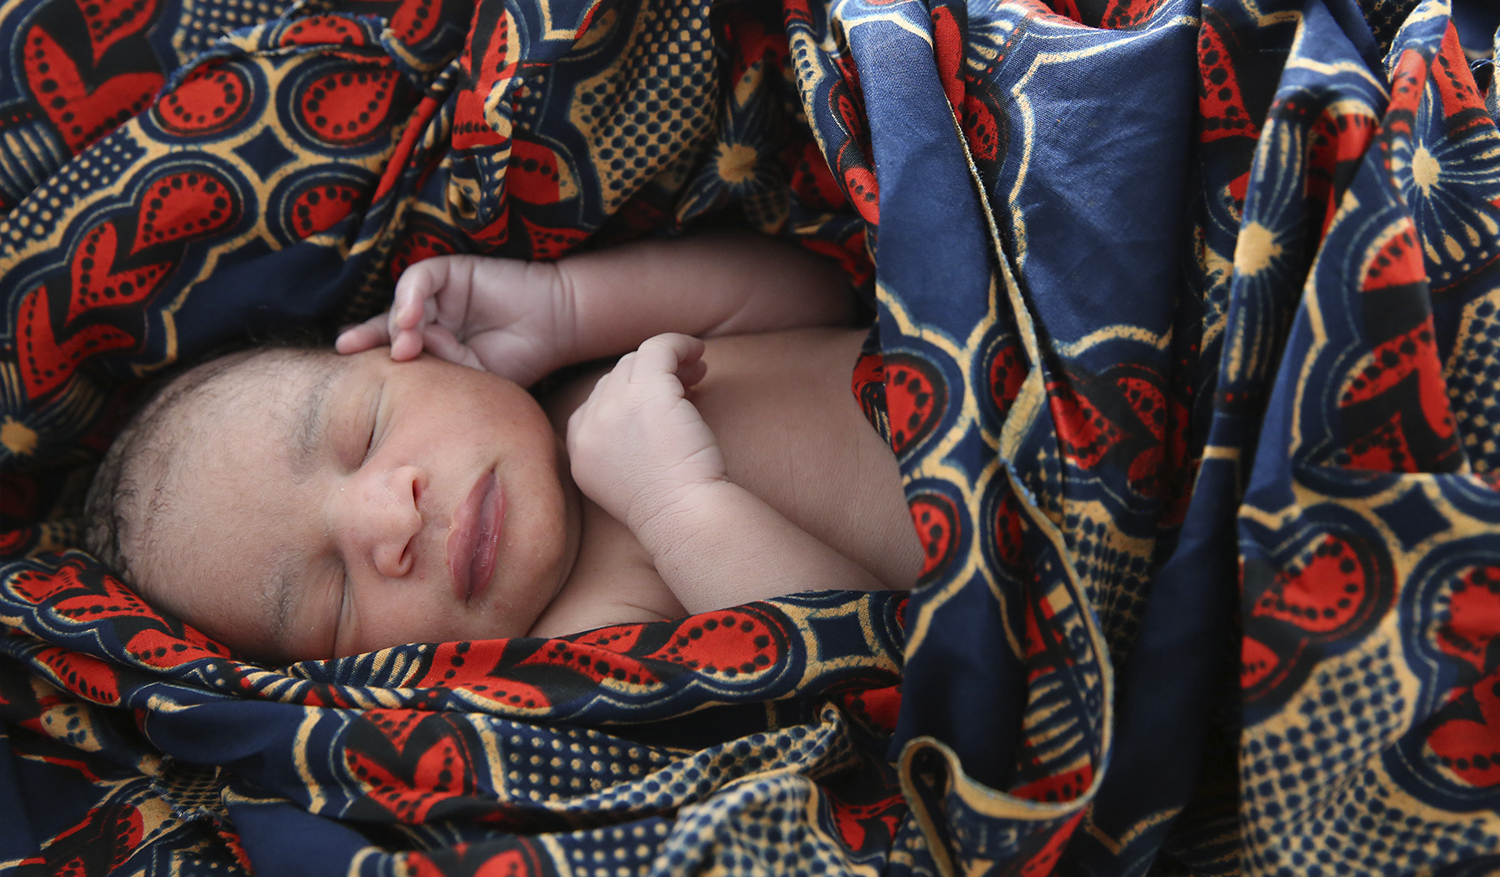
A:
1186,347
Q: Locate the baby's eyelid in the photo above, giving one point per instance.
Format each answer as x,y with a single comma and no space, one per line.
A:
370,441
343,609
374,418
354,453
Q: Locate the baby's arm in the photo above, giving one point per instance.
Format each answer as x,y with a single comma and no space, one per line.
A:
522,320
713,284
641,450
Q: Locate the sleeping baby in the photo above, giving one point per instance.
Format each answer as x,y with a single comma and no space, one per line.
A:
305,504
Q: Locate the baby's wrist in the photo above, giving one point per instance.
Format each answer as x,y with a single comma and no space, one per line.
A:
563,336
662,519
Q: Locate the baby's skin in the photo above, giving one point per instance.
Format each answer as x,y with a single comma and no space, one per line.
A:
414,493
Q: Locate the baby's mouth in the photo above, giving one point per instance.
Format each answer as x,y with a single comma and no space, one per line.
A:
474,540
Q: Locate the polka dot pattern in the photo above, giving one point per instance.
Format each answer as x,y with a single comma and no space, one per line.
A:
1470,374
1332,736
638,124
204,21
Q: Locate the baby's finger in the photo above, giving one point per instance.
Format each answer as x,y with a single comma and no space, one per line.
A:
410,312
414,293
406,341
406,345
668,353
362,336
691,373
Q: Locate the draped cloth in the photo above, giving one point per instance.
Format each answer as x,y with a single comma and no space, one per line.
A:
1187,343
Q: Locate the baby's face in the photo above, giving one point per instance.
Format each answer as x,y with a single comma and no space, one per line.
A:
318,506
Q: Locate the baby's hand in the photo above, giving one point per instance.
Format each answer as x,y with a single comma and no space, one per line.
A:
504,316
637,446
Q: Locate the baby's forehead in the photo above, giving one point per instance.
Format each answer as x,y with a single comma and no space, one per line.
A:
276,365
275,374
267,387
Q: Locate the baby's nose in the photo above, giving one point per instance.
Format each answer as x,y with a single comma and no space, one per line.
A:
394,521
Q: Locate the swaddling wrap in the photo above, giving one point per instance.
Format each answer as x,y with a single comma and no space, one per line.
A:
1186,343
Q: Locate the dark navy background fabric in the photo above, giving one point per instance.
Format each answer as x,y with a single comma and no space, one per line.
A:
1187,345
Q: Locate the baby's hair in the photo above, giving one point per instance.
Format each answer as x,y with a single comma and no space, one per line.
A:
114,486
147,435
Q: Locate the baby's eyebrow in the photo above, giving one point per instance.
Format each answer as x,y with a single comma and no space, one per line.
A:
279,597
280,592
307,431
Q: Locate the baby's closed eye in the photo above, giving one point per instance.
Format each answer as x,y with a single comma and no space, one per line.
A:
342,607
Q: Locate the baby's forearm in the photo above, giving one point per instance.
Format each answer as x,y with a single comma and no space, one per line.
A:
723,546
706,285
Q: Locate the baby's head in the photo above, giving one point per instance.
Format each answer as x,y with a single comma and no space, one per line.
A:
298,504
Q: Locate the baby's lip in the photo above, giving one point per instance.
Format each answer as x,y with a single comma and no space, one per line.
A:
474,538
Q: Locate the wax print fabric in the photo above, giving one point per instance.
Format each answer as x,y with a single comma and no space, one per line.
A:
1187,343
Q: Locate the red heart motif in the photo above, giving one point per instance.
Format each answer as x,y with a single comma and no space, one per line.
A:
981,129
1329,586
915,397
420,243
848,111
410,781
162,648
413,20
593,662
93,283
88,677
109,21
1222,107
1010,532
1324,590
1083,431
733,643
936,520
1473,618
486,63
321,207
322,30
1389,364
864,193
537,175
349,107
81,114
1149,402
1471,748
1008,370
1257,662
46,363
507,863
551,243
948,47
211,99
812,181
184,205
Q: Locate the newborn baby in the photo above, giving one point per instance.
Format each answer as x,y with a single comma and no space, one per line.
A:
298,504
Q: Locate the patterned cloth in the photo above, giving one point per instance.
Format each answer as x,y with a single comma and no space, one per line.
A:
1188,344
